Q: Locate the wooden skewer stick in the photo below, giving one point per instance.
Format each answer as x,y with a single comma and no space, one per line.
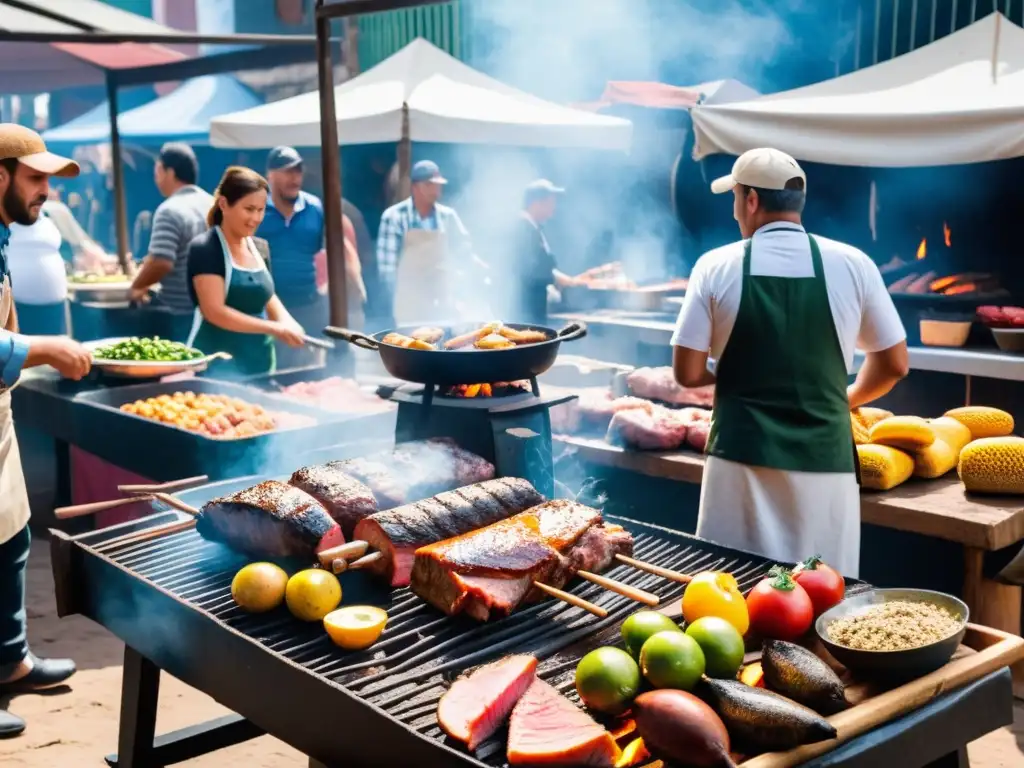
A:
565,597
365,560
618,587
172,485
657,570
350,551
339,566
80,510
151,533
171,501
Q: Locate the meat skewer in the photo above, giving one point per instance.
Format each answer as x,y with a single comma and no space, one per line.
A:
657,570
172,485
80,510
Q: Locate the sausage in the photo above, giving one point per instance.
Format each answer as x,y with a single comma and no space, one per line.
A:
399,340
468,338
529,336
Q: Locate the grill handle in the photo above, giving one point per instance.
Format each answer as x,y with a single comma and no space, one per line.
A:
354,338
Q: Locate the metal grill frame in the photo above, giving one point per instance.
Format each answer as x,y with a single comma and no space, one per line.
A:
284,684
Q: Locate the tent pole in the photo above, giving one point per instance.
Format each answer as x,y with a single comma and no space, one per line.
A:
117,170
404,158
331,158
995,51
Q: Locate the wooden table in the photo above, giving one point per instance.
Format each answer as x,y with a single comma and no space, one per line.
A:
937,508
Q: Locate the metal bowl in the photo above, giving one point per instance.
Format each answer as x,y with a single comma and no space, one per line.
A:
893,666
146,369
1009,339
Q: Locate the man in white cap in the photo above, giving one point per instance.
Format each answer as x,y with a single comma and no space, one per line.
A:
25,170
773,321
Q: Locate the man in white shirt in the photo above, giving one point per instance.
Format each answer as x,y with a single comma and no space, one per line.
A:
37,268
774,321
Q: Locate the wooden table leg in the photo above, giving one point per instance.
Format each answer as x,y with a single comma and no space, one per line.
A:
993,605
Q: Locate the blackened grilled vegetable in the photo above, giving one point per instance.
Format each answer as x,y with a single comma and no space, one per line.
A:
272,519
796,672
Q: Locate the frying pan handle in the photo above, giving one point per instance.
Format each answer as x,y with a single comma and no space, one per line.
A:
352,337
572,331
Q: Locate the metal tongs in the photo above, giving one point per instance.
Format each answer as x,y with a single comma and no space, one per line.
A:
313,341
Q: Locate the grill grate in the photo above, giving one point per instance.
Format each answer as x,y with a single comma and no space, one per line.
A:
405,672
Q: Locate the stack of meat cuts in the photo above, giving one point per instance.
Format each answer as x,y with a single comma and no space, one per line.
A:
657,428
490,571
545,728
660,384
337,394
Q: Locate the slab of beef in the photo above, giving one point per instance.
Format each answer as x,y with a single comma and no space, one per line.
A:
659,429
697,435
660,384
596,409
548,729
399,532
477,704
417,469
346,499
272,519
489,572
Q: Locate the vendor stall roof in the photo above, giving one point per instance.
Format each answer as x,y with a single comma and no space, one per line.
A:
447,102
184,114
653,95
957,100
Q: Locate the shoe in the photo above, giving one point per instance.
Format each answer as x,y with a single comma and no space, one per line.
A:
10,725
46,673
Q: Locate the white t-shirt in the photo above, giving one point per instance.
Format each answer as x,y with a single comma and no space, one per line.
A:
862,309
37,268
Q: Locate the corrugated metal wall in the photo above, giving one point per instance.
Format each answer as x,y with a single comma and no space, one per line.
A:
381,34
885,29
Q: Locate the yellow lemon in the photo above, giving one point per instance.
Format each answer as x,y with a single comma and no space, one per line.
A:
259,587
312,594
355,627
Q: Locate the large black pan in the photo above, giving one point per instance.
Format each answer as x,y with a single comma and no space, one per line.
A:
464,366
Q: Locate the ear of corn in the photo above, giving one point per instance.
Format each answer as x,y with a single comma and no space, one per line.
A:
860,432
951,432
993,465
983,421
869,416
908,433
882,467
935,460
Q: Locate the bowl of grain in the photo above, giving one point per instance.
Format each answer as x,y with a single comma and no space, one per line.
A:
894,634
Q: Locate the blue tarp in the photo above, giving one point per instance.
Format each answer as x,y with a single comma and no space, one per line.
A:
182,115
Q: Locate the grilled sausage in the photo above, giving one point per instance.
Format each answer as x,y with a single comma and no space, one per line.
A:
400,340
468,338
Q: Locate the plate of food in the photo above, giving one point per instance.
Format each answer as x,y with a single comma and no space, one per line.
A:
147,357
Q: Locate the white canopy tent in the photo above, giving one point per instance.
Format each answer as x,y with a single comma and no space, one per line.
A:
445,101
957,100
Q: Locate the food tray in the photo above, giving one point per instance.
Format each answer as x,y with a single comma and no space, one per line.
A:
161,451
145,369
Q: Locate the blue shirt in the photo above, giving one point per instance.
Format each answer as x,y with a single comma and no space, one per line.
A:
13,346
293,242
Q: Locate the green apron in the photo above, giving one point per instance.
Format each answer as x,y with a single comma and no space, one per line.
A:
780,390
246,291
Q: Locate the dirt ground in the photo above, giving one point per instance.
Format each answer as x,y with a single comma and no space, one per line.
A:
76,727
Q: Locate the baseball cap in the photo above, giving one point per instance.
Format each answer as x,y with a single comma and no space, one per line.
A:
764,168
427,170
26,146
280,158
542,188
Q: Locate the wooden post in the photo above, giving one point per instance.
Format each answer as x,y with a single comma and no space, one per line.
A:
993,604
404,188
331,159
117,170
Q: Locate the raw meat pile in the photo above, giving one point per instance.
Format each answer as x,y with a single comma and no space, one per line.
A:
1002,317
660,384
544,727
656,428
337,394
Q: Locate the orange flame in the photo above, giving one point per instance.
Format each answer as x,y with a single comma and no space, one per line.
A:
946,234
936,286
922,249
956,290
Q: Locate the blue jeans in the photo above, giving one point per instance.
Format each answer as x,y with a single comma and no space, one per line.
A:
13,640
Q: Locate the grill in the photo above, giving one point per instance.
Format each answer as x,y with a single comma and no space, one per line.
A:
169,599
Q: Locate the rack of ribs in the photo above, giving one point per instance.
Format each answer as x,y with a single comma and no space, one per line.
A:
490,571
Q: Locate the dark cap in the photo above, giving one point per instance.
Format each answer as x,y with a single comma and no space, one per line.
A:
539,190
281,158
426,170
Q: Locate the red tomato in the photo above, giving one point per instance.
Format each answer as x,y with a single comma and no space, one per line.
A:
779,607
823,583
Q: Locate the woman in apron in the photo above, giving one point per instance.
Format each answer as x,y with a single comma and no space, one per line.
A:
236,309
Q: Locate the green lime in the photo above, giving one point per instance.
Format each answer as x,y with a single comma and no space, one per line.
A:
672,660
607,680
722,645
641,626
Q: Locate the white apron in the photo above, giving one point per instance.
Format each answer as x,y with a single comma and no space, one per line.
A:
423,280
786,516
14,507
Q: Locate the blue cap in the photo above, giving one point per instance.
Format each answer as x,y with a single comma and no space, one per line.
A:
540,189
426,170
280,158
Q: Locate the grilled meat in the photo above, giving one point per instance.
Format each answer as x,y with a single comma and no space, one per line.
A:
548,729
399,532
661,429
660,384
272,519
490,571
477,704
346,499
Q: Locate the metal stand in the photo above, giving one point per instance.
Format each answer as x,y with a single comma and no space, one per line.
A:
137,743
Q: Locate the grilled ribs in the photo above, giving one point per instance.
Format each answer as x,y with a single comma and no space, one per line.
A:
490,571
399,532
272,519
